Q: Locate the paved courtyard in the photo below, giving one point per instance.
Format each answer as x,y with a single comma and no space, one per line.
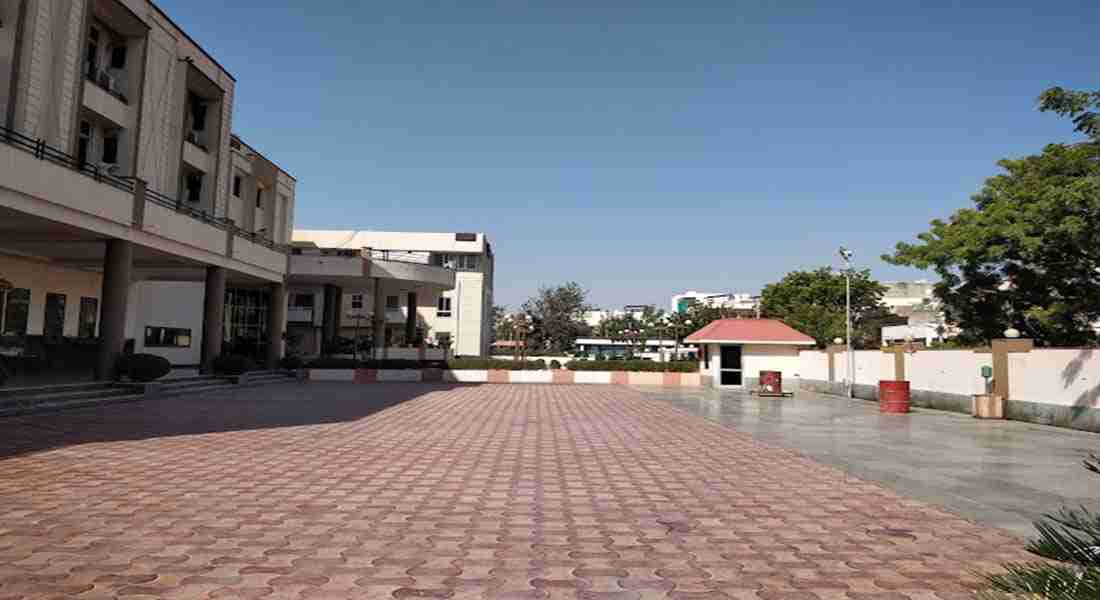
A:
405,491
1001,473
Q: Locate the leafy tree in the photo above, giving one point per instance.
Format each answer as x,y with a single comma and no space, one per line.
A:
813,302
500,330
557,315
1027,255
1070,538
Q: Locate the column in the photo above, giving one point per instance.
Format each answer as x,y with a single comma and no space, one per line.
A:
213,316
378,320
328,316
410,321
276,324
118,266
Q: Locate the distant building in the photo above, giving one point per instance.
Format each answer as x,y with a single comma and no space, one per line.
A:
596,316
737,302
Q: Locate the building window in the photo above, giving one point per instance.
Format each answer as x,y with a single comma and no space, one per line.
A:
236,186
193,184
444,308
89,316
357,301
54,323
110,147
17,311
91,54
84,142
303,301
167,337
245,329
259,198
467,262
393,302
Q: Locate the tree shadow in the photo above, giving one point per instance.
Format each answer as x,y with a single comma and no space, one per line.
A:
249,408
1086,400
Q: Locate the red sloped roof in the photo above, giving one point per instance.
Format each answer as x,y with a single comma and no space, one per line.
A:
751,331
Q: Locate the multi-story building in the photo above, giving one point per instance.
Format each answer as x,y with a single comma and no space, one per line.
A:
415,308
737,303
902,297
127,208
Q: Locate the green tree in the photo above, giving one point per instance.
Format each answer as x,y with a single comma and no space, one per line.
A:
1027,255
500,330
813,302
1070,538
557,315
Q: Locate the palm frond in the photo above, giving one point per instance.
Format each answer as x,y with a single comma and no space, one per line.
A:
1045,581
1071,535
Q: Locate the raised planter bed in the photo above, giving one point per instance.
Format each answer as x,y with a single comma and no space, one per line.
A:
557,376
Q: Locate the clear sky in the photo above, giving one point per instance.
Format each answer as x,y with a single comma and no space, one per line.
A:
646,148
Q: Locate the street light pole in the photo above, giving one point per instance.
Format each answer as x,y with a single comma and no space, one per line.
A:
846,254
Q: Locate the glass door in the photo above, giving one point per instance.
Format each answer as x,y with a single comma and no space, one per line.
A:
730,366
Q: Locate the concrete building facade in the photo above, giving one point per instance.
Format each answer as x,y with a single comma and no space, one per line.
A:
457,317
740,302
124,198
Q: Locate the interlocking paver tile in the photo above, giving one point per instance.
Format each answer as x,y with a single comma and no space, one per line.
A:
419,491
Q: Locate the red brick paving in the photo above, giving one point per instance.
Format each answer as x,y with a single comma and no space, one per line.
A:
491,491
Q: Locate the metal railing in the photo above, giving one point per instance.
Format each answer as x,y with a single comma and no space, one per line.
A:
43,151
106,82
38,148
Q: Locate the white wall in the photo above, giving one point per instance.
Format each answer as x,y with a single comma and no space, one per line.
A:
948,371
1062,377
42,278
813,364
167,304
756,358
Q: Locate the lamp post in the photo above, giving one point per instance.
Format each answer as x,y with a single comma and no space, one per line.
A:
846,255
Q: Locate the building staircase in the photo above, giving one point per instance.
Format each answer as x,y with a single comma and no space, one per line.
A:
52,398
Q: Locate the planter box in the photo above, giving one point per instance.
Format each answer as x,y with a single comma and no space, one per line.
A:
466,376
531,377
644,378
398,375
601,377
332,374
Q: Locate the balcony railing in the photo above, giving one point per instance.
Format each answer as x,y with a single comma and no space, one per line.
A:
43,151
108,82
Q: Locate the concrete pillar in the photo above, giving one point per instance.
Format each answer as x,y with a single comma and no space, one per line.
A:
378,320
1001,349
328,317
276,324
118,266
213,317
410,321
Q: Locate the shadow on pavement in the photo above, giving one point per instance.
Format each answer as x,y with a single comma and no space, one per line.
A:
289,405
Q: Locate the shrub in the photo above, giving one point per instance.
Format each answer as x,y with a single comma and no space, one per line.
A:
233,364
554,364
393,363
143,367
632,365
490,364
291,361
331,362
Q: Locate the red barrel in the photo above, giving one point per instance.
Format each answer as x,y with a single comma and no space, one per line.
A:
893,396
771,382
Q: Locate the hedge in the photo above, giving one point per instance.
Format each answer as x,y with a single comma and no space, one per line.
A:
143,367
683,366
233,364
456,364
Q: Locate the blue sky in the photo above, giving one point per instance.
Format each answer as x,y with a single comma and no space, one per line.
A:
645,148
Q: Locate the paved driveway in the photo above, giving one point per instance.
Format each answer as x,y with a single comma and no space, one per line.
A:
345,491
